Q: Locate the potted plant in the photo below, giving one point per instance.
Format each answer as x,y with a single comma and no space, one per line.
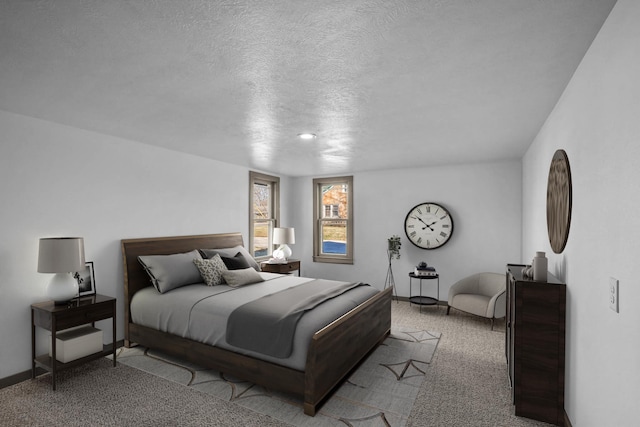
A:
393,251
393,247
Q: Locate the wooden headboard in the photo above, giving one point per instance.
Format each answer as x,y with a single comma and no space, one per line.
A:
135,278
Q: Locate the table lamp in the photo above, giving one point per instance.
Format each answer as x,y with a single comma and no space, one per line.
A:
62,256
283,237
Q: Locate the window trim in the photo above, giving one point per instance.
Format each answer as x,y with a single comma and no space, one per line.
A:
318,256
274,182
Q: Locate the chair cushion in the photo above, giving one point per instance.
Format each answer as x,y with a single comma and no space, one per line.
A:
471,303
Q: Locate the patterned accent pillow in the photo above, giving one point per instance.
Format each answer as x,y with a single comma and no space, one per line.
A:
211,270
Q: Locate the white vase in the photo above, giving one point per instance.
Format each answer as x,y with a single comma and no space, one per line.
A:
540,267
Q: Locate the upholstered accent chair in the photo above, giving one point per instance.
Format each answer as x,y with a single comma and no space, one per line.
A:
482,294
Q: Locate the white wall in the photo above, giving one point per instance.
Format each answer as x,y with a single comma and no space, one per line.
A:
597,121
56,181
61,181
484,200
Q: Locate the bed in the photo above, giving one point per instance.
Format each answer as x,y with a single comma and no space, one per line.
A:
333,351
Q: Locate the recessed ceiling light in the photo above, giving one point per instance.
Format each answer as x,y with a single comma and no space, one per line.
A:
306,135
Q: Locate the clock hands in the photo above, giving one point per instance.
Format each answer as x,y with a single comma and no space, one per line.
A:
426,225
429,225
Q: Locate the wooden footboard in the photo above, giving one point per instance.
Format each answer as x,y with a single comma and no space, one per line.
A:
334,352
339,347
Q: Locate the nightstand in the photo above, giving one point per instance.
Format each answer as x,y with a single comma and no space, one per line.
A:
55,318
285,268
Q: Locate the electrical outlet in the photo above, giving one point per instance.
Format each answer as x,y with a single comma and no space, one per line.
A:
614,303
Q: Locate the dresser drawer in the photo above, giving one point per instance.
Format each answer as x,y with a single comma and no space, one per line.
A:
292,266
82,315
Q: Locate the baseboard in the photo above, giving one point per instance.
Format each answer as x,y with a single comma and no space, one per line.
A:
19,377
23,376
567,421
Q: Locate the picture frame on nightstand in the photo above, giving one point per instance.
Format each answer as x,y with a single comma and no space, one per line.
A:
86,280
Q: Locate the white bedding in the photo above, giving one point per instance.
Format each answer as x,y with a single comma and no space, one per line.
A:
200,312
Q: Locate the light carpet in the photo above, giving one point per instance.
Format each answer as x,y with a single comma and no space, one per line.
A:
382,390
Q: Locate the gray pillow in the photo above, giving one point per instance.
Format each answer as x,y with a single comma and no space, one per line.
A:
211,270
236,263
171,271
230,253
245,276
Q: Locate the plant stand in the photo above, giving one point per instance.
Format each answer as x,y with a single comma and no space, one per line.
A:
389,281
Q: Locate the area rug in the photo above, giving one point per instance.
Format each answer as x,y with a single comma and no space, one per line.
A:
381,392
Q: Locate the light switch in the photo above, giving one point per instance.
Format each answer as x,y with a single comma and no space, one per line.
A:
613,294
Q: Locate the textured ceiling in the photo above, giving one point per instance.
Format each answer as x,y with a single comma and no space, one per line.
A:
384,84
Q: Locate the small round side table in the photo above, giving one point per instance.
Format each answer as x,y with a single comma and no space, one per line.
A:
420,299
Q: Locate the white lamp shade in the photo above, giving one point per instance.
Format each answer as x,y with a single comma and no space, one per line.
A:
61,255
284,236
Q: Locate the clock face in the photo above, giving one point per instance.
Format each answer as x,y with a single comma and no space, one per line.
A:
428,225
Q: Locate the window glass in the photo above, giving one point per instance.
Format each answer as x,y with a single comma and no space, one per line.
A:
333,224
264,207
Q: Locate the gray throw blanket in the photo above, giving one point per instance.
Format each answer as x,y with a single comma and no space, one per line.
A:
267,325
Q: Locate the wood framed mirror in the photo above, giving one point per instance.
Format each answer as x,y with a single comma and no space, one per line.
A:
559,201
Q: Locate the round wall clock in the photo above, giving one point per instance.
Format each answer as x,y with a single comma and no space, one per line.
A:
428,225
559,201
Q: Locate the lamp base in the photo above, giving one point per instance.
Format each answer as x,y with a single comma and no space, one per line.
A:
62,288
285,250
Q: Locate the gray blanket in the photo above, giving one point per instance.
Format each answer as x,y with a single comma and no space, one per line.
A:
267,325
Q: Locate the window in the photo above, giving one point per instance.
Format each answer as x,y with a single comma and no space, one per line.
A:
333,220
330,211
264,213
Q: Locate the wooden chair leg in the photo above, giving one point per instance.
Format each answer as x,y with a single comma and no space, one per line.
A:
492,320
448,308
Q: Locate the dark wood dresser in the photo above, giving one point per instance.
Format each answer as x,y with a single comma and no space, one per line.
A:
535,345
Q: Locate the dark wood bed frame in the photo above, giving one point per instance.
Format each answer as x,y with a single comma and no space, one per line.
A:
334,351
